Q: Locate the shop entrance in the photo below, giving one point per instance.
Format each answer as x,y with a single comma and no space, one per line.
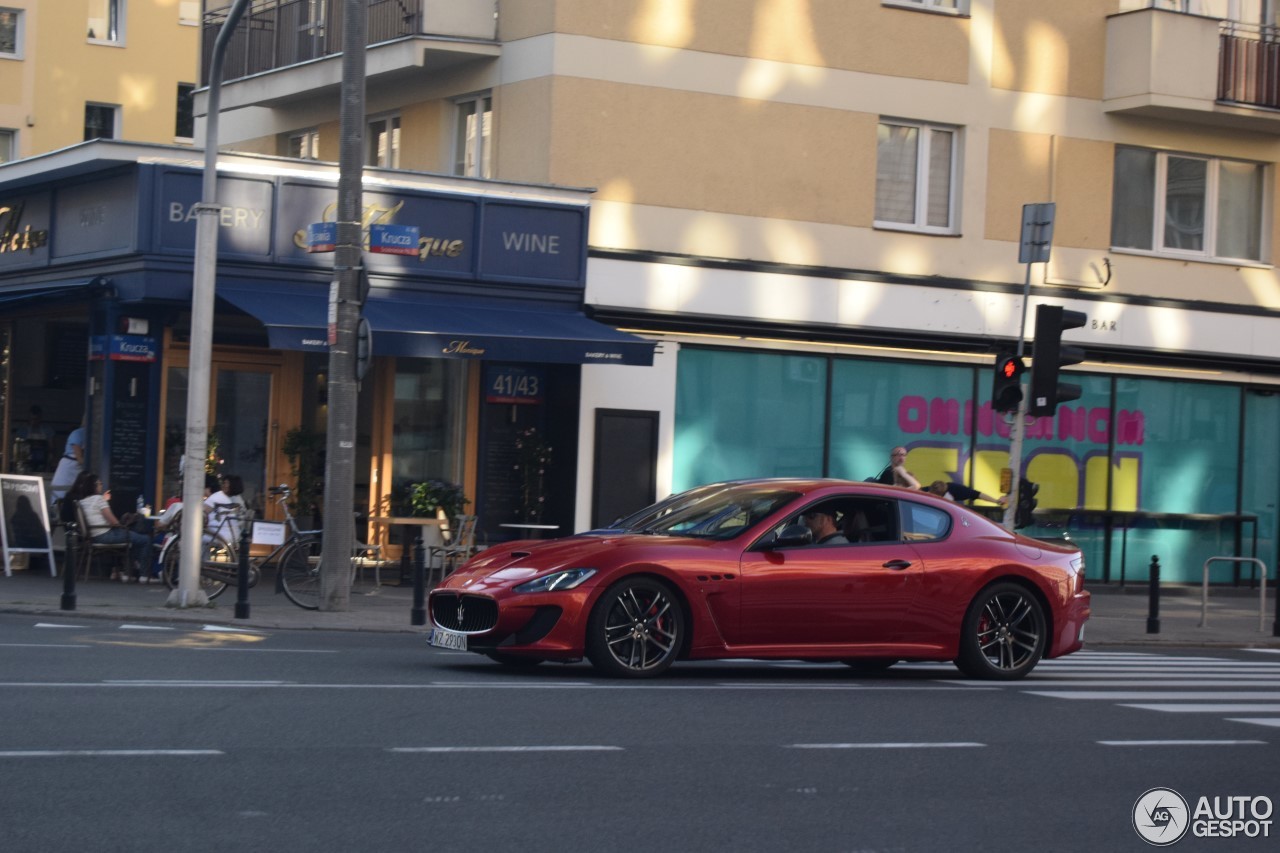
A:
245,398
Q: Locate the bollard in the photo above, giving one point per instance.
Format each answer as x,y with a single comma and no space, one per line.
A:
242,573
1275,626
418,615
1153,597
69,568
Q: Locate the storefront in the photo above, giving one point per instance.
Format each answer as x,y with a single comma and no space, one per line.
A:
1170,451
479,333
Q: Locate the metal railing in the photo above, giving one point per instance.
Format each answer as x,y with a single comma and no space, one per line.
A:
279,33
1249,64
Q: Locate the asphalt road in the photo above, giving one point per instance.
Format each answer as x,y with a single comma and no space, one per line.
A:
140,738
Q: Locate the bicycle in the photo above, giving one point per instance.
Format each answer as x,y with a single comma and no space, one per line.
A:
297,559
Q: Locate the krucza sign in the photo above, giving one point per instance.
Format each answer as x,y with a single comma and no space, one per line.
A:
14,237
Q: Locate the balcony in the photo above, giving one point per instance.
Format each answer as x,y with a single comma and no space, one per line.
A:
1193,68
285,48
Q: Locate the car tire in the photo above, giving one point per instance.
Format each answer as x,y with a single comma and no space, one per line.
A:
636,629
513,661
1004,633
868,665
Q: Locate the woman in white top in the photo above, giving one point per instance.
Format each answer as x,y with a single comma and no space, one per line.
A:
224,508
104,527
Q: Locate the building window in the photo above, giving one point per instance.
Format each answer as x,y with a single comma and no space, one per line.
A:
954,7
185,122
305,145
1180,204
11,33
916,177
100,121
471,146
8,145
384,142
106,20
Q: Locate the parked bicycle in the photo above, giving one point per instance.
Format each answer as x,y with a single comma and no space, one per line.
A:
296,559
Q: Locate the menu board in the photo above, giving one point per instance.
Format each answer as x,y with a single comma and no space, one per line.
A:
127,465
24,528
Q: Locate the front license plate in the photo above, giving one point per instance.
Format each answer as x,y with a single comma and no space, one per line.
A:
443,639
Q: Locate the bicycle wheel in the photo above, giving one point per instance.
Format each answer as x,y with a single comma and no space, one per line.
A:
300,573
214,552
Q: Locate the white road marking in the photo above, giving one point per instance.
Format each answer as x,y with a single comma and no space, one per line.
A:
582,748
889,745
1263,651
1268,681
109,753
275,651
56,625
230,629
178,682
1257,721
1181,742
128,627
1206,708
45,646
1157,695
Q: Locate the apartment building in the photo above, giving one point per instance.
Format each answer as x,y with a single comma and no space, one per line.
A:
814,209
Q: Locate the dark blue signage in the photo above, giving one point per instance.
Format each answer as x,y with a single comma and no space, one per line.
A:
393,239
533,243
516,385
244,220
322,236
123,348
24,231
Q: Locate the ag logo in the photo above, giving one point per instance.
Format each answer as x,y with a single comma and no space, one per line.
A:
1161,816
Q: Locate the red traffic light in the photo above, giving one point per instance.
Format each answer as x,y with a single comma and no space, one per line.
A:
1006,386
1009,368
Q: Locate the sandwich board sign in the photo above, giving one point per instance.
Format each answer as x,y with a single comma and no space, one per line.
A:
24,519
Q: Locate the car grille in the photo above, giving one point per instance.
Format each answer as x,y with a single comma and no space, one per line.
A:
469,614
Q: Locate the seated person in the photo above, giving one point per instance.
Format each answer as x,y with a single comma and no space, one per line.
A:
821,522
960,492
106,528
223,509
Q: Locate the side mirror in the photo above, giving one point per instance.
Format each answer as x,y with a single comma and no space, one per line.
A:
793,535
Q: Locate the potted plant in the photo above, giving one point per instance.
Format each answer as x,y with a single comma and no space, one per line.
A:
533,462
437,498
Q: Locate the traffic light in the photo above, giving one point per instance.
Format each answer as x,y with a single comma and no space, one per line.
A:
1051,356
1006,386
1027,502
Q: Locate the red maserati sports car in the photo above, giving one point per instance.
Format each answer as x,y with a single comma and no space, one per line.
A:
818,570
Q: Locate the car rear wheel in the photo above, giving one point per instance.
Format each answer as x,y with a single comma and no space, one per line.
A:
636,629
1003,635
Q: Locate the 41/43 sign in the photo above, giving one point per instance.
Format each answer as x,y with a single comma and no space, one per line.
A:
514,385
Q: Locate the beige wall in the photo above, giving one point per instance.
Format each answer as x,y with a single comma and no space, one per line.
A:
819,33
1082,170
1021,176
1053,48
141,76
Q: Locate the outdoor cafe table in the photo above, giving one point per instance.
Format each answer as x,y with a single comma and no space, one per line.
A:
432,534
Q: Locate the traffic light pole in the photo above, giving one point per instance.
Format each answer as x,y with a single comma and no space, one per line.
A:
1019,428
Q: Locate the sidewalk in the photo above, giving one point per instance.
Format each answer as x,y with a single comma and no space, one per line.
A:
1119,614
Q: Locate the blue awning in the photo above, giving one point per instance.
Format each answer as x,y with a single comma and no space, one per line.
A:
12,297
427,325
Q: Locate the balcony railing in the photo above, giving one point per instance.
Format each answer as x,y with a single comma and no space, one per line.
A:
279,33
1249,65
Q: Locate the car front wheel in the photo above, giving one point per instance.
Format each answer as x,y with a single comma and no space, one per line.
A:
636,629
1003,635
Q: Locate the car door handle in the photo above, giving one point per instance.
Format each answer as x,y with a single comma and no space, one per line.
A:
898,565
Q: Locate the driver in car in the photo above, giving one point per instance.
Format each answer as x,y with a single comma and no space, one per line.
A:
822,524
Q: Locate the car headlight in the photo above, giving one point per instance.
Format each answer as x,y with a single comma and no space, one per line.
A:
556,581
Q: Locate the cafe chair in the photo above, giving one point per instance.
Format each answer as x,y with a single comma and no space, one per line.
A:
87,550
459,548
366,556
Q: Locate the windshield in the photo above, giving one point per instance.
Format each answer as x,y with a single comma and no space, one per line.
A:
720,514
666,506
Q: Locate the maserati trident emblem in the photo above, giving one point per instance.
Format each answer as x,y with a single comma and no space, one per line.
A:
459,615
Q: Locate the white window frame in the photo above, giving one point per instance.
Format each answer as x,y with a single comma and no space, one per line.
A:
115,118
921,206
962,6
19,28
393,126
1210,251
121,9
472,157
308,144
8,145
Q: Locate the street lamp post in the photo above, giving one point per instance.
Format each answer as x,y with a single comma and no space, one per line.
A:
188,592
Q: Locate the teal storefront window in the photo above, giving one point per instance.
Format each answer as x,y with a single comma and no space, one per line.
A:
747,414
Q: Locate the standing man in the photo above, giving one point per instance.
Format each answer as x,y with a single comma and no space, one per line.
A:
896,473
70,465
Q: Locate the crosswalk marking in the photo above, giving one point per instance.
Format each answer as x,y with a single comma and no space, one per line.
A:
1241,691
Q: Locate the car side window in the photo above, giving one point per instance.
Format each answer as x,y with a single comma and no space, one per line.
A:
922,523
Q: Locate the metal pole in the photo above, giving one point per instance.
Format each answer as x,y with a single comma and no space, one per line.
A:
344,318
1019,419
242,571
188,592
1153,597
69,564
